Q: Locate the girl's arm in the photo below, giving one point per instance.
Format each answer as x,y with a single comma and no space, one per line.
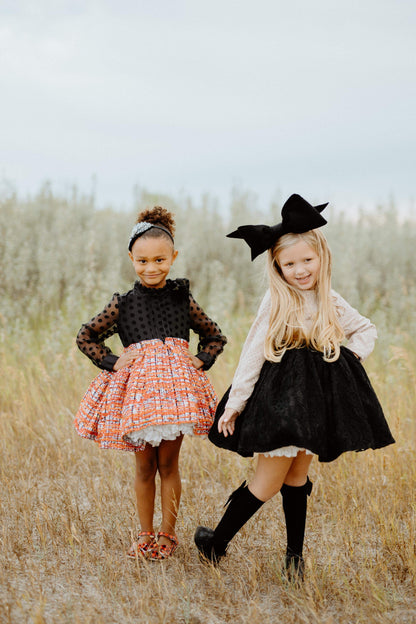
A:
251,358
360,332
211,340
91,336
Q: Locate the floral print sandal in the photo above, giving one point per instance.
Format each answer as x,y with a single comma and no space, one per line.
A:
142,549
164,551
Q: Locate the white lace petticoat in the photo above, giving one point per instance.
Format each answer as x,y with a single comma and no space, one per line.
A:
285,451
155,435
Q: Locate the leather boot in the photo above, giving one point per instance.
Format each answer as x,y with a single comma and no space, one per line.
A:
241,505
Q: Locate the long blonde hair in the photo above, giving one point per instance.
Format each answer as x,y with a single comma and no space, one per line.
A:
287,328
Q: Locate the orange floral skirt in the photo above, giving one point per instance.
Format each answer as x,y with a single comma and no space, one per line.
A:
158,397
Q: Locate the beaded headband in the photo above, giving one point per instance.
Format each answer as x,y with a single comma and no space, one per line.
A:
142,227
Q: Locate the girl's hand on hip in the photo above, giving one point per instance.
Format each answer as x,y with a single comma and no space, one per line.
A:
126,359
196,362
226,423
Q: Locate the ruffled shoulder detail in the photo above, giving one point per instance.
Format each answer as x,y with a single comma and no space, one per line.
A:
178,286
339,303
181,284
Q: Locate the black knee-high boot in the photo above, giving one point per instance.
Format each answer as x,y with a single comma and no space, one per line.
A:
241,505
295,507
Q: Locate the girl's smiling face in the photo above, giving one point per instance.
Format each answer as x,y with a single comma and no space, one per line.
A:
299,265
152,259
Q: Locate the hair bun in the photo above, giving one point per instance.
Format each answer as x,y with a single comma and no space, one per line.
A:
158,216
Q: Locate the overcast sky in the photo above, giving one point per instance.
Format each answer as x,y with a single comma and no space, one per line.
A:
196,96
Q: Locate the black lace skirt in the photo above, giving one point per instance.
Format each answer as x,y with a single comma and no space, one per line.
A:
327,408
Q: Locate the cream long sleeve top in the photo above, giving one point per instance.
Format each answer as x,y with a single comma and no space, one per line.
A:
360,333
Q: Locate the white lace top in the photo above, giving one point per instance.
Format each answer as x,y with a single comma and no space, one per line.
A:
361,335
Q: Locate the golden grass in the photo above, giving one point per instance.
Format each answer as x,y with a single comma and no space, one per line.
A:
68,513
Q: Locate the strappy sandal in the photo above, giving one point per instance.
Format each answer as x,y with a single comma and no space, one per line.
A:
143,549
164,551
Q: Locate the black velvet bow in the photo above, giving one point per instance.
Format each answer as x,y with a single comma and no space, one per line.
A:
298,216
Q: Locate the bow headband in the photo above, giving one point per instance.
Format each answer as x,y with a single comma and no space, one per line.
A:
142,227
298,216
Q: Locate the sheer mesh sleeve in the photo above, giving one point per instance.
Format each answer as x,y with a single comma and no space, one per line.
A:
91,336
211,341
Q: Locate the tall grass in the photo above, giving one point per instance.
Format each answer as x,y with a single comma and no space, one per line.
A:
67,508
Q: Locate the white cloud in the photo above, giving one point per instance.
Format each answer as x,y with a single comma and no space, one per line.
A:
198,95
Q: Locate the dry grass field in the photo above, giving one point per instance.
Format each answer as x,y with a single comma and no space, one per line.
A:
68,513
67,508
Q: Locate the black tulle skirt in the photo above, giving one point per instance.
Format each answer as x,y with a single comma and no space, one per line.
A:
327,408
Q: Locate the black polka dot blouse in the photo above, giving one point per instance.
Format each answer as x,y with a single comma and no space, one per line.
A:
147,313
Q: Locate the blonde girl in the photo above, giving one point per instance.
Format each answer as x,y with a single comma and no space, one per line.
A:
147,398
297,391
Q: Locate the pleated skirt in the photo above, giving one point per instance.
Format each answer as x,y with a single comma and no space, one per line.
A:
158,397
326,408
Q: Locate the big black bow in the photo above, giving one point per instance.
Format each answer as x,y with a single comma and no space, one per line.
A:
298,216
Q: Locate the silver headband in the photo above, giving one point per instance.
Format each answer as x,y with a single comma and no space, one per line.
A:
142,227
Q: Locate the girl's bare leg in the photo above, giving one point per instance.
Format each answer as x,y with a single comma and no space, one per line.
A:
145,487
269,476
272,472
298,471
170,484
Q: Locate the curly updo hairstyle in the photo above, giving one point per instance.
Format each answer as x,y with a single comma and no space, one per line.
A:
157,216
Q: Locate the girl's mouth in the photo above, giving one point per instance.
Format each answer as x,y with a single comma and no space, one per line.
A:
303,280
